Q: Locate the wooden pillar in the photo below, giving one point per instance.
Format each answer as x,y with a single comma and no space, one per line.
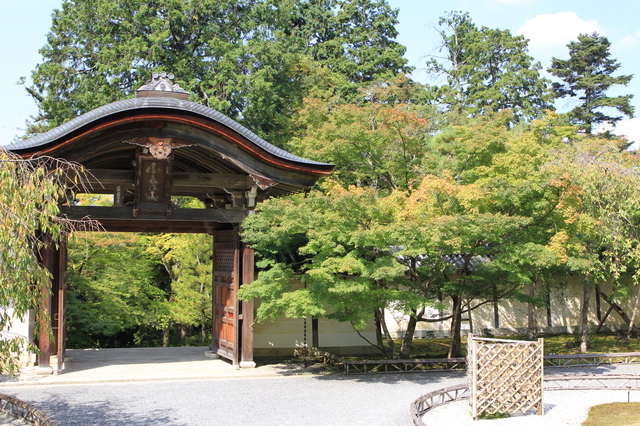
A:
234,302
214,340
248,275
47,258
60,318
315,333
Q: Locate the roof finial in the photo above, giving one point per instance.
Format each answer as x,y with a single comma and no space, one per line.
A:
161,84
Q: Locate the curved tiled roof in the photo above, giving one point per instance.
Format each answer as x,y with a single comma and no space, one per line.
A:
154,103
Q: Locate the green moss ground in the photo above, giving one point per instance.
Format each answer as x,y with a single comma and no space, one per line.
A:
614,414
561,344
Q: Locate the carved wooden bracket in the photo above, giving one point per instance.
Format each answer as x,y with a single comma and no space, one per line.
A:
160,148
263,182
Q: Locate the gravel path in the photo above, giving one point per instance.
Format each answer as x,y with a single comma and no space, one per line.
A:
294,400
370,400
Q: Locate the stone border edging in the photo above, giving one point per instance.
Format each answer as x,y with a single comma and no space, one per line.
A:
439,397
23,411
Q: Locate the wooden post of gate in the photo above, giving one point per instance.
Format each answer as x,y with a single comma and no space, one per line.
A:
47,258
246,331
506,376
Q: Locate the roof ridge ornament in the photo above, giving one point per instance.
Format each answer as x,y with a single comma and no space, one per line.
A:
161,84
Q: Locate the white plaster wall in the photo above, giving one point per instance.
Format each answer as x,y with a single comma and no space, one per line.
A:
282,336
19,327
565,302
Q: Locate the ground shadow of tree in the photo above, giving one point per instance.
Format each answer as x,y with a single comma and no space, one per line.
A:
101,413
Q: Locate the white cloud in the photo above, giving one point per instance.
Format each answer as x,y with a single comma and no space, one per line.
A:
549,34
629,41
630,129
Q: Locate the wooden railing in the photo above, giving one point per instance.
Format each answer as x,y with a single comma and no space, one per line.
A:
576,360
439,397
426,365
403,365
23,411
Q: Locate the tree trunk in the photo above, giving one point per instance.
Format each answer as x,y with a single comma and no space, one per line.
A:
598,310
496,309
456,320
166,333
532,329
584,323
407,341
469,318
379,340
633,316
183,333
391,354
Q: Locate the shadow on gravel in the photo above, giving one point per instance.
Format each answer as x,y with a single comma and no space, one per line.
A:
100,413
394,378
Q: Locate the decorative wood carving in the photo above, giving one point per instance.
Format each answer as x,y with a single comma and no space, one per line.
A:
161,84
160,148
263,182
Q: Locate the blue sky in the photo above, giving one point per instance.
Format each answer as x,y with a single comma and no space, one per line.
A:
549,24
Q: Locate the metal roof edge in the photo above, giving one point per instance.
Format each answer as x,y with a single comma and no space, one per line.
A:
156,102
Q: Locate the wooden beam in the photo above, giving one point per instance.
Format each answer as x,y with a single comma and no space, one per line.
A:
102,180
126,213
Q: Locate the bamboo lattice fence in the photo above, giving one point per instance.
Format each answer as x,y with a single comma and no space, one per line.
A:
505,376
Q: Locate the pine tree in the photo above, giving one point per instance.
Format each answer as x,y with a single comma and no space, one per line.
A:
587,75
247,59
487,70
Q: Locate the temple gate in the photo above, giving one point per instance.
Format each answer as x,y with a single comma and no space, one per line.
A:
156,146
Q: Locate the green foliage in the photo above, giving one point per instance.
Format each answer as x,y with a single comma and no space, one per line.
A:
487,70
587,76
187,261
602,194
240,57
29,194
134,290
481,227
113,288
340,244
377,143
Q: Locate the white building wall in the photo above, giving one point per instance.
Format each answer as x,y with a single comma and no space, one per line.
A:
283,336
565,307
22,329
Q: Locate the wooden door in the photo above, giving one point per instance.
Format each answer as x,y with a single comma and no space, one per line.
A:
226,267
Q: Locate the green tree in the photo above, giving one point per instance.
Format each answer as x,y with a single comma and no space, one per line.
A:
377,143
114,291
488,209
354,38
487,70
239,57
29,194
461,240
341,242
587,75
599,237
186,258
